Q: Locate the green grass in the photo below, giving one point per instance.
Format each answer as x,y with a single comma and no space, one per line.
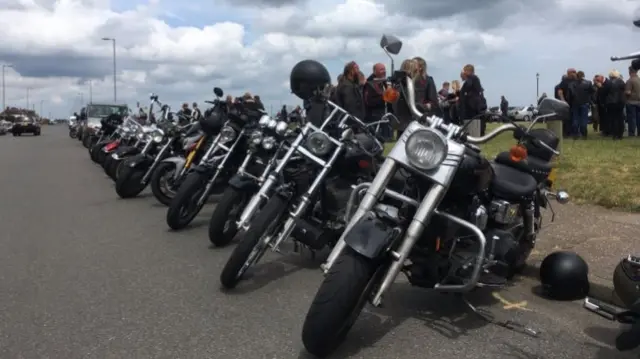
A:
596,170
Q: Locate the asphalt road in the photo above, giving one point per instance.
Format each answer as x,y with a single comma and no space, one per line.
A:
84,274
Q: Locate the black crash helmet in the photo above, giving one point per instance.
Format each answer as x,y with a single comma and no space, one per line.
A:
306,77
626,282
564,276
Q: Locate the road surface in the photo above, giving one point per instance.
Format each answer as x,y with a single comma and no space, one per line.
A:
84,274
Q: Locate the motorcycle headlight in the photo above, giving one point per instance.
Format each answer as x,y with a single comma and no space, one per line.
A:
426,149
227,134
268,143
264,121
318,143
272,124
256,138
158,136
281,127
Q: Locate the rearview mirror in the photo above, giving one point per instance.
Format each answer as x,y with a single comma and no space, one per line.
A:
391,44
218,91
636,23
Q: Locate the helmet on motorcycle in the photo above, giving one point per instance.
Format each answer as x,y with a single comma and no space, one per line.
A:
626,282
307,77
564,276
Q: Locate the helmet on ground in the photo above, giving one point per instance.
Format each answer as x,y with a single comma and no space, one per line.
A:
564,276
307,77
626,282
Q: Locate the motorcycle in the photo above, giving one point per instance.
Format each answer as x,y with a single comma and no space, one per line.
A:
106,132
265,144
306,194
73,129
214,173
438,211
143,144
136,170
198,146
124,135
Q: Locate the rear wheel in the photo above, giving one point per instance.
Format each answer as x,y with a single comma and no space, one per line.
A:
86,141
222,226
162,182
184,206
254,242
128,183
338,303
112,170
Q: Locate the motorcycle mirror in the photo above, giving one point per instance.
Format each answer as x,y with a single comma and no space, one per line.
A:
347,135
391,44
218,91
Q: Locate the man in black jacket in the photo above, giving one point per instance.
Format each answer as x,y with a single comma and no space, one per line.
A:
375,107
504,106
563,93
348,93
581,93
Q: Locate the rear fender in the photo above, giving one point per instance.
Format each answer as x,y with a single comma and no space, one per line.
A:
178,161
243,183
140,161
371,236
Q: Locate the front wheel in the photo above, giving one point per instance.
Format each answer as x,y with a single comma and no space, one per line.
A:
86,141
163,182
112,169
128,184
72,134
338,303
254,242
184,206
222,226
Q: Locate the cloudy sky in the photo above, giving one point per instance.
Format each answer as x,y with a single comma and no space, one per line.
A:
182,49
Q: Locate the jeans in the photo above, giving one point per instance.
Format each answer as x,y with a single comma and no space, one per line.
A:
579,120
633,119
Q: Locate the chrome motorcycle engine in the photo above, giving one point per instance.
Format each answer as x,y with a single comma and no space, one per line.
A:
504,212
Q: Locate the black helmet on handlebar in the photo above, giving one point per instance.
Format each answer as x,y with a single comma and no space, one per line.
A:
307,77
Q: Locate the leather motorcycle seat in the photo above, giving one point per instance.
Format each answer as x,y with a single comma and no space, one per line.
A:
538,168
511,184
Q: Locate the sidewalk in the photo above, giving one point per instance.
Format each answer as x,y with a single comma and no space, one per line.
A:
602,237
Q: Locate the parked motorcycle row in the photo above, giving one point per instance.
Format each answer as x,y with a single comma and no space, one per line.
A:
432,207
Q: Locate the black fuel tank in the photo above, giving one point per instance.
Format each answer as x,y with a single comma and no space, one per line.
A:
474,174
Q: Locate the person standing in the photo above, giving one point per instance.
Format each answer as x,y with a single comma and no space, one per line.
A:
472,101
614,95
401,109
582,93
504,106
374,104
453,98
348,94
445,105
632,92
563,93
196,114
426,92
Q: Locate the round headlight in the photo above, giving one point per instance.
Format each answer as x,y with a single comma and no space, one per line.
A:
281,127
256,138
272,124
426,149
158,136
269,143
319,144
227,134
264,120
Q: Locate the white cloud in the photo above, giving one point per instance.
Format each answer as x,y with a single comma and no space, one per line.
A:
56,46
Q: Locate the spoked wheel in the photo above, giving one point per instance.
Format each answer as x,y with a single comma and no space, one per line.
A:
184,206
163,182
254,242
222,226
339,301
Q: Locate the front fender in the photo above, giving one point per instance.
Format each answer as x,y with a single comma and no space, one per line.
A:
140,161
243,183
371,236
127,151
179,162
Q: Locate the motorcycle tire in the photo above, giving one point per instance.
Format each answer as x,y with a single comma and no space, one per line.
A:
86,141
73,134
128,182
107,162
336,306
251,246
94,152
112,170
187,196
159,176
222,226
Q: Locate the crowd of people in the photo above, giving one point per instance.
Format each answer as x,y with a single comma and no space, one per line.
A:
362,96
613,102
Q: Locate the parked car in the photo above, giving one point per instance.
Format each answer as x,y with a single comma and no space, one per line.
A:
25,124
525,113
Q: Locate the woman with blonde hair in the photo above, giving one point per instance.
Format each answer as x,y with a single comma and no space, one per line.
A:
453,97
410,67
400,108
426,93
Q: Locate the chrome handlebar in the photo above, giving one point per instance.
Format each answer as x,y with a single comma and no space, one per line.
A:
450,128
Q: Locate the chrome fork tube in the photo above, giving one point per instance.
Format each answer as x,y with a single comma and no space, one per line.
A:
146,147
370,198
158,158
420,221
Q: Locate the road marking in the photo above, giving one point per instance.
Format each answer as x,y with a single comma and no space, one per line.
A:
507,305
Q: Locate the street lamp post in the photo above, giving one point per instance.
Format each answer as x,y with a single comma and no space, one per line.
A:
90,92
113,42
4,105
28,89
41,102
537,86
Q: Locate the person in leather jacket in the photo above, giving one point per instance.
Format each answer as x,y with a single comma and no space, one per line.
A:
472,101
375,105
613,93
401,109
426,92
581,92
348,93
196,114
